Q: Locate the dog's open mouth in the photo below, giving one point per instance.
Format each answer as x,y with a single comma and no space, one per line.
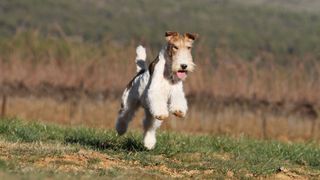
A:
182,74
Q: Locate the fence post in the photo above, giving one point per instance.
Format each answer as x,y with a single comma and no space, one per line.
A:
3,106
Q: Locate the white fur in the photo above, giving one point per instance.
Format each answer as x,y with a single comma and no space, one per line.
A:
141,57
156,94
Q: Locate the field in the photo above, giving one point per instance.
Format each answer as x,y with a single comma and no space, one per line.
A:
46,151
253,98
257,63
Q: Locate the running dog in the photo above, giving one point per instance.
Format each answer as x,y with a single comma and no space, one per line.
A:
158,88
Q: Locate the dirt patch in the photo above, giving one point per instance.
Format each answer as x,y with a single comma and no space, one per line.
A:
192,157
55,156
288,176
80,161
295,173
222,156
165,170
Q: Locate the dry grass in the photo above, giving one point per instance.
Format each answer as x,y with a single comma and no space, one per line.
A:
80,84
232,120
261,77
226,76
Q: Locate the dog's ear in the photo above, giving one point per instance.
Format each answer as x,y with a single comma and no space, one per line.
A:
170,34
191,36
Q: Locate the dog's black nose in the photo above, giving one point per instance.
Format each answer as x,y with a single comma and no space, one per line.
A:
184,66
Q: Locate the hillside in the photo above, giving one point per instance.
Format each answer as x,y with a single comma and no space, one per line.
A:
243,26
36,150
292,5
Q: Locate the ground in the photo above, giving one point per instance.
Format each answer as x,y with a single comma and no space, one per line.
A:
29,150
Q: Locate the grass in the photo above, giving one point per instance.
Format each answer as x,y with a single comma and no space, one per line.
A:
81,152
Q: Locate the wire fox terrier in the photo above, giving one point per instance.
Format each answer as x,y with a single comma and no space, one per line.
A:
158,89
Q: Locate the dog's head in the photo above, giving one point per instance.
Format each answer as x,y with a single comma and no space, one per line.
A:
179,52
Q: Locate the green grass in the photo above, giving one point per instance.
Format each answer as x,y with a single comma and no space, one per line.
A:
178,152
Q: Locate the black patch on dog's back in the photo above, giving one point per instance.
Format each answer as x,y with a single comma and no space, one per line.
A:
152,65
129,85
151,70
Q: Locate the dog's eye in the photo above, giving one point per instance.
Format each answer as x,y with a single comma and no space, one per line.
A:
175,47
188,47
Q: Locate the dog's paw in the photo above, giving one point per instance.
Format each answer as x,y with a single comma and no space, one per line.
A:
150,142
179,114
161,117
121,127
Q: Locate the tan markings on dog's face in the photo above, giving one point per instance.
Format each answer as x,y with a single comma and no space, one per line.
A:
179,50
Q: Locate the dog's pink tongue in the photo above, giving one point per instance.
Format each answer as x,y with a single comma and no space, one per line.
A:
181,75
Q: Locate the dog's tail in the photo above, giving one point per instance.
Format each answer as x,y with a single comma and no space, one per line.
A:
141,58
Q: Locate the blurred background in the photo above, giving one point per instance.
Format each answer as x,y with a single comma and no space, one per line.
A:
257,74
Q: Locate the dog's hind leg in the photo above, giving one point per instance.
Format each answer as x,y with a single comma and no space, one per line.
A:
126,113
124,118
150,126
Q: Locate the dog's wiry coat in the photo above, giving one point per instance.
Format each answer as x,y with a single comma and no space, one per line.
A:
158,88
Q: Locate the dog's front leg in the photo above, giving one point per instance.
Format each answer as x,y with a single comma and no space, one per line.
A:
178,103
158,101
